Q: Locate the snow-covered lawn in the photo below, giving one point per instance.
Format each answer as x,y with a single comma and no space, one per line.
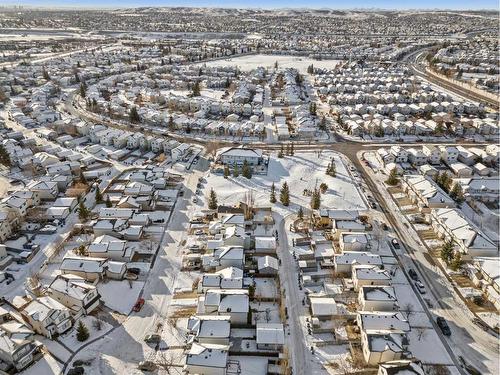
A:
46,365
265,312
55,348
266,288
69,338
250,365
246,63
120,295
426,346
301,171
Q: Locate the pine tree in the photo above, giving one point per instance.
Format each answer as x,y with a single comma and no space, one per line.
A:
272,197
98,195
315,199
171,125
287,149
226,171
447,252
246,171
82,332
457,193
285,194
446,182
5,157
45,74
322,124
134,115
281,152
83,90
212,200
83,212
456,262
393,177
300,214
333,168
312,108
195,91
292,151
236,171
108,202
323,188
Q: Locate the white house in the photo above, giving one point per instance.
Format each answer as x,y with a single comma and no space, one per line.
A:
47,316
377,298
74,293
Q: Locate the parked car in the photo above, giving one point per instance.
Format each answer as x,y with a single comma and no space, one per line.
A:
147,366
384,226
152,338
480,324
413,275
395,243
420,287
138,305
443,325
134,270
76,371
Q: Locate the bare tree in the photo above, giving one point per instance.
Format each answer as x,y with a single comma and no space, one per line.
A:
407,309
212,147
170,362
421,331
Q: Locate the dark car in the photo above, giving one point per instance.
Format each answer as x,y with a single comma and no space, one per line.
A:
76,371
443,325
138,305
134,270
413,275
395,243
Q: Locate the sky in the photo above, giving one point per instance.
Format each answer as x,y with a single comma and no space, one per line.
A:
334,4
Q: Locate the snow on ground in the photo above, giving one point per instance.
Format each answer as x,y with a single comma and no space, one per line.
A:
120,295
55,348
266,288
426,346
246,63
69,338
265,312
301,171
46,365
251,365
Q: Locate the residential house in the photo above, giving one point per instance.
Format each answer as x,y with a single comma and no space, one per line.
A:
206,359
209,329
74,293
47,317
377,298
270,336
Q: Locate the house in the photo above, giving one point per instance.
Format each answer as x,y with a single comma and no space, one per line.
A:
239,155
18,349
353,241
209,329
400,154
227,256
58,213
428,170
425,193
323,308
270,336
47,317
93,269
206,359
47,190
383,336
450,224
226,278
449,154
377,298
110,247
400,367
267,265
369,275
74,293
460,170
226,302
433,154
70,203
416,156
348,259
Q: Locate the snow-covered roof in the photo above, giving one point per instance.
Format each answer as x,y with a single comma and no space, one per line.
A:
270,333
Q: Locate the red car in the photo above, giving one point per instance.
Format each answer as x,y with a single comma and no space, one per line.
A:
138,305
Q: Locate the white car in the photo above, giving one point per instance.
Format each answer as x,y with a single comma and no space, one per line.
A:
420,287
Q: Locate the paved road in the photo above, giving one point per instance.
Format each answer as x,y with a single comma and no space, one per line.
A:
300,354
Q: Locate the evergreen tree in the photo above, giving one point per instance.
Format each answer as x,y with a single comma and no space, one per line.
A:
236,171
292,151
315,199
457,193
83,211
446,182
285,194
323,188
134,115
226,171
246,170
212,200
300,214
287,149
393,177
310,69
272,197
195,91
322,124
45,74
83,90
281,152
456,262
4,157
171,125
447,252
275,65
82,332
108,202
98,195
